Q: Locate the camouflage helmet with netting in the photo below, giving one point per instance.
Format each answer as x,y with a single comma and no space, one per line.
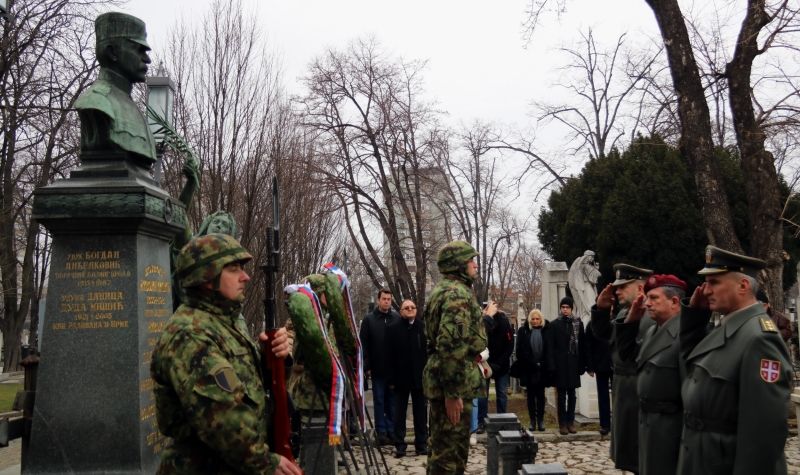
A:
202,259
454,256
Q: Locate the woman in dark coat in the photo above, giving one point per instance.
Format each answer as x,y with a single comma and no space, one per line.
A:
530,356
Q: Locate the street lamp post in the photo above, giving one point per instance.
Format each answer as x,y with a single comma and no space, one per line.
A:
160,98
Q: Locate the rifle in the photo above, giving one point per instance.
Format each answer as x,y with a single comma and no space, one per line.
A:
281,424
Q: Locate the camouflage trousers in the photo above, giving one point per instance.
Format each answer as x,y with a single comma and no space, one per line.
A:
448,443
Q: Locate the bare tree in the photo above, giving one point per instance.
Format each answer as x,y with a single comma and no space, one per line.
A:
478,191
45,63
601,90
762,185
527,276
231,109
373,154
767,27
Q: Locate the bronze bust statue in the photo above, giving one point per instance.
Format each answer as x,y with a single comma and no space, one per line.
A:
110,121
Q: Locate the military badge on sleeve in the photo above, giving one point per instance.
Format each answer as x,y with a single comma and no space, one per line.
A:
225,378
770,370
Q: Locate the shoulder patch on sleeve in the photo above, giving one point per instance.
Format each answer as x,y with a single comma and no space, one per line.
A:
225,377
770,370
767,325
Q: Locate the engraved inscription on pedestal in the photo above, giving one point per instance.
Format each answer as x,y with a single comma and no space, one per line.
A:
91,299
156,291
110,299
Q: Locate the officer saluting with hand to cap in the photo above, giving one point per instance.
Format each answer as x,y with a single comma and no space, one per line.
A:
738,375
628,285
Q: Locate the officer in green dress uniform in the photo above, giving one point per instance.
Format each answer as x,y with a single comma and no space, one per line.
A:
659,372
627,286
738,375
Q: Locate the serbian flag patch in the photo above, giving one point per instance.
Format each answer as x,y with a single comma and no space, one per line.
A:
770,370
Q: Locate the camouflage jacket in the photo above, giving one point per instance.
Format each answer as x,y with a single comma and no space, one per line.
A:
455,338
209,393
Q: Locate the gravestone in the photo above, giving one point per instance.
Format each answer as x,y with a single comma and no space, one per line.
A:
554,288
109,297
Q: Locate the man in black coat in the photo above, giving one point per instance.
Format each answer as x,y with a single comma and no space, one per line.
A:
500,336
598,362
373,343
566,360
405,343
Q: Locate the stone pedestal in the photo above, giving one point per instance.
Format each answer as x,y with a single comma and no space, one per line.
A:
109,296
494,424
543,468
317,457
515,448
554,288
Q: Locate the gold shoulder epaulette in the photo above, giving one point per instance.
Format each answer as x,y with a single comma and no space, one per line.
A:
767,325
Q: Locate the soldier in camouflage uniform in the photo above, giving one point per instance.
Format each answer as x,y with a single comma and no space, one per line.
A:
209,392
451,378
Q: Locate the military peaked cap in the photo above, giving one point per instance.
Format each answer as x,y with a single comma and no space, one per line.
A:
719,261
113,25
624,273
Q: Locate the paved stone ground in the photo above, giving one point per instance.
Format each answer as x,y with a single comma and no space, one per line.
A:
582,453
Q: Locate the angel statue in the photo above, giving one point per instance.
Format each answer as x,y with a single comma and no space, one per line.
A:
582,278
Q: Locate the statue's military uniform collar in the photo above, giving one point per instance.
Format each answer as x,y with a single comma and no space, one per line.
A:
115,79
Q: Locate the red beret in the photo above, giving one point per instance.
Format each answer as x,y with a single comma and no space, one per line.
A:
664,280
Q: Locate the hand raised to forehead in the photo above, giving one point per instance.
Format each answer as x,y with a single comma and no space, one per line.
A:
636,311
606,298
699,299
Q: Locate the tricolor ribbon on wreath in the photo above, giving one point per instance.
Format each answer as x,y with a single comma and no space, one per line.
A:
336,403
358,363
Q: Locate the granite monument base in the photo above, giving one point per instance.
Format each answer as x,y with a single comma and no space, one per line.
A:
108,299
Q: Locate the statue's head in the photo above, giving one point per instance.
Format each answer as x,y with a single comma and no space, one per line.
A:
121,42
221,222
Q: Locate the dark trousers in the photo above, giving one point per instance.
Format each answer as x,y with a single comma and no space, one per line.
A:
501,392
382,400
419,407
536,403
603,381
566,405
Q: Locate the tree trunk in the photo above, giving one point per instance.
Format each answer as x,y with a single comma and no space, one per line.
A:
696,144
758,166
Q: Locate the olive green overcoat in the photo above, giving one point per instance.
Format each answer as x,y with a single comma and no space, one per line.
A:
735,394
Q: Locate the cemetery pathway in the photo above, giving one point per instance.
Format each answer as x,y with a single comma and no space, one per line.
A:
582,453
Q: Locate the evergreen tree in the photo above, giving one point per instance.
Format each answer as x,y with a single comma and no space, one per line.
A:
641,207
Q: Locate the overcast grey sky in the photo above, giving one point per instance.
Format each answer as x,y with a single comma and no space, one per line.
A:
478,64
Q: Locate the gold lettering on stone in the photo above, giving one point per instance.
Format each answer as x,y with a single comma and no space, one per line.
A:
147,412
159,286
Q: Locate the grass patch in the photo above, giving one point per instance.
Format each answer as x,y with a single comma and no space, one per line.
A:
7,394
